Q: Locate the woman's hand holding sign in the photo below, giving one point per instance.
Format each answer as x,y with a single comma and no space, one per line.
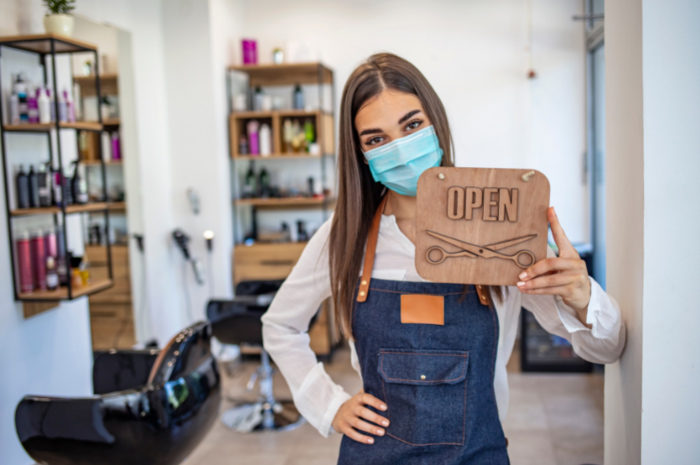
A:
565,276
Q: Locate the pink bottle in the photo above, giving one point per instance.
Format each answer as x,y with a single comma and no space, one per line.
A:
250,51
24,262
50,247
38,260
253,141
116,149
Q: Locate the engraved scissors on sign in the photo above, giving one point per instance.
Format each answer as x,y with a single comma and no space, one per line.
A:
475,251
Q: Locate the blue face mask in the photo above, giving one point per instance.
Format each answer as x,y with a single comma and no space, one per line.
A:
399,164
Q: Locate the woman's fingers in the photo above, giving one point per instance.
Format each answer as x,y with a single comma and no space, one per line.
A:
353,434
566,250
357,423
367,414
550,265
550,280
369,399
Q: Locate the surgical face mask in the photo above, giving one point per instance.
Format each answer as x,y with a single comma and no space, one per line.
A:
399,164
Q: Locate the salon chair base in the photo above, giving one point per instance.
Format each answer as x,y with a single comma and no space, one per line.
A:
262,416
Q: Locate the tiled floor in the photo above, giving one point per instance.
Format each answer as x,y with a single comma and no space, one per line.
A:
552,419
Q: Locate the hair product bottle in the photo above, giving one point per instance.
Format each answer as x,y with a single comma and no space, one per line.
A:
78,185
253,141
287,135
44,185
24,262
50,246
32,106
70,106
38,260
116,149
298,98
265,140
57,187
44,104
51,274
20,89
249,187
33,181
61,259
14,108
22,183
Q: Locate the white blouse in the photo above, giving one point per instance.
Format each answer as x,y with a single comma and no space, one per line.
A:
318,398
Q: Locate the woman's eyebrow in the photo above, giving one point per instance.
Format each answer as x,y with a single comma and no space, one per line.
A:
408,115
403,118
371,131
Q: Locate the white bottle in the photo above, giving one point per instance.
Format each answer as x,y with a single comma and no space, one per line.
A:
62,113
70,110
77,102
14,109
265,140
44,104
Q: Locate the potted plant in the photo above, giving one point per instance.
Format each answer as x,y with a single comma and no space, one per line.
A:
58,19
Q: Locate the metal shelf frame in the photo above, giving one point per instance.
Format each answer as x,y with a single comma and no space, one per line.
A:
50,45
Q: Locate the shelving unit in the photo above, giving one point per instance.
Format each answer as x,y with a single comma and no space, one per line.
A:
261,260
49,46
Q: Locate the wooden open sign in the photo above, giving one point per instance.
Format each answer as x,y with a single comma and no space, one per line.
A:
479,225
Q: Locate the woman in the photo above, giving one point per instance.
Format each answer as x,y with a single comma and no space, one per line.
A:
431,393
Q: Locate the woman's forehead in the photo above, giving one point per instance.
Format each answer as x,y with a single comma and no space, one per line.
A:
385,109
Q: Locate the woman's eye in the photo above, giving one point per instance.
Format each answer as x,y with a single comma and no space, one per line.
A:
413,124
373,141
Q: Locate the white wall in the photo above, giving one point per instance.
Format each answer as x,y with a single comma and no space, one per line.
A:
653,112
475,54
670,375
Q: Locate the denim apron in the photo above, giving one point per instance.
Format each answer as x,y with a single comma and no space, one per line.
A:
436,379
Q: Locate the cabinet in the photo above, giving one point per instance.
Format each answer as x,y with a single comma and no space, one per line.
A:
256,256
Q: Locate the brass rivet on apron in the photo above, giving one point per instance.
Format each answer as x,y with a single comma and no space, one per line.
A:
362,293
441,176
422,376
364,282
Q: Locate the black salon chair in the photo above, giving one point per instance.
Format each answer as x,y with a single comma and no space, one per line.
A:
150,408
238,322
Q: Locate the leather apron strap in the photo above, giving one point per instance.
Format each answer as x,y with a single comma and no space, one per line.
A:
370,250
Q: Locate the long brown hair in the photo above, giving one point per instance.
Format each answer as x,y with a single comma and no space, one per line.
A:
358,194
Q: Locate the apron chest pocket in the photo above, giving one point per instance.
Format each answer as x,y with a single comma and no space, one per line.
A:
426,395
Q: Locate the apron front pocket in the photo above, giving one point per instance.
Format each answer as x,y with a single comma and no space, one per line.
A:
426,395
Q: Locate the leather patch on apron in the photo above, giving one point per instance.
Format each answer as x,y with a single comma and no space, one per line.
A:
423,309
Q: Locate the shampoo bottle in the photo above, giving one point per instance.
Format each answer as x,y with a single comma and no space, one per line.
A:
44,104
265,140
44,185
22,182
78,185
253,144
24,262
32,106
38,260
33,181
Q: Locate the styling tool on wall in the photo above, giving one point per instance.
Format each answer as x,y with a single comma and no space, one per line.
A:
209,240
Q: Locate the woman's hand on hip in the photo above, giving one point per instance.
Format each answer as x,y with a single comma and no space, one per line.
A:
352,414
565,276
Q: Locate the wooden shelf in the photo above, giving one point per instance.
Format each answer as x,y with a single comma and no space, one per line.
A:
97,162
111,122
109,84
46,127
284,202
70,209
285,74
117,206
41,43
62,292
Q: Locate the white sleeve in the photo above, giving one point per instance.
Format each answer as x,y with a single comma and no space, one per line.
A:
286,338
602,343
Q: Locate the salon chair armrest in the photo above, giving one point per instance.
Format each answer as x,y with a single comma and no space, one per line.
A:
48,418
118,370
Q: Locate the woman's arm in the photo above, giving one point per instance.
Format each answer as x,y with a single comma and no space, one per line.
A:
569,303
286,339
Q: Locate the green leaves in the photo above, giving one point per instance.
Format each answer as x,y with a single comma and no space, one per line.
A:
59,6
